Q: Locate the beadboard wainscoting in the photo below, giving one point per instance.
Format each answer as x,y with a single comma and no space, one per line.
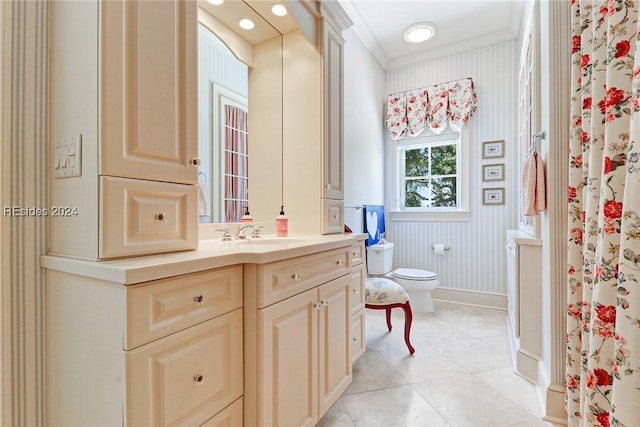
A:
474,269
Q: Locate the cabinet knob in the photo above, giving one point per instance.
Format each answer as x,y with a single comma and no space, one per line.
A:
325,302
199,299
339,262
355,339
199,379
195,161
295,276
160,217
356,291
317,305
329,186
355,253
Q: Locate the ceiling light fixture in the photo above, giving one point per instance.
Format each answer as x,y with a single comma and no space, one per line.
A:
419,32
215,2
278,10
246,24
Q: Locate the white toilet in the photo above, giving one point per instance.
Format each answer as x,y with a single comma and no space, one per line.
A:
417,283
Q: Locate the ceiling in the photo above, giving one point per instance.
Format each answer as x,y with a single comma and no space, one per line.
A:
461,25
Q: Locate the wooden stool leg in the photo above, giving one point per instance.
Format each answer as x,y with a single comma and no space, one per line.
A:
388,310
408,318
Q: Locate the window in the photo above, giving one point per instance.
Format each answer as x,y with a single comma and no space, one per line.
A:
428,180
430,175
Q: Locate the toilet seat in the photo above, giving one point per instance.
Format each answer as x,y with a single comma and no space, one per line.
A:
414,274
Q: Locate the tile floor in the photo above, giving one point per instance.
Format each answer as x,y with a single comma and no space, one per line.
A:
460,375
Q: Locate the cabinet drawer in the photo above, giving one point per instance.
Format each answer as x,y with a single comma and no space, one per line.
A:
231,416
332,216
159,308
356,254
358,342
145,217
356,291
282,279
187,377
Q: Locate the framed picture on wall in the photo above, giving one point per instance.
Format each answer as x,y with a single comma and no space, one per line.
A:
493,196
493,149
493,172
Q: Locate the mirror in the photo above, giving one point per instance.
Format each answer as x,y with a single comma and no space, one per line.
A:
240,112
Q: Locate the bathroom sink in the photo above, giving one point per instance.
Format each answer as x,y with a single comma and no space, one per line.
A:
271,241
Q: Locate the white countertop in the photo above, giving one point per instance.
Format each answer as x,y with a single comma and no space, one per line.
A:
212,253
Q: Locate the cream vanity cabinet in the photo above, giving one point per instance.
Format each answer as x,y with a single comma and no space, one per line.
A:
313,120
356,299
158,353
123,128
297,338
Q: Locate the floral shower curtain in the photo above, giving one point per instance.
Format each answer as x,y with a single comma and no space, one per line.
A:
603,326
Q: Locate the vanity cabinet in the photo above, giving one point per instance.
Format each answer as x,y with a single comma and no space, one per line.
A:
297,338
123,128
356,299
163,352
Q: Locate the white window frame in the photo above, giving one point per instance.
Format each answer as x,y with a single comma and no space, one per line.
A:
396,182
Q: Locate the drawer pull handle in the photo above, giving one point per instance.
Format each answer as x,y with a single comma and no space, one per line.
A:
199,379
295,276
317,305
195,161
160,217
325,302
199,299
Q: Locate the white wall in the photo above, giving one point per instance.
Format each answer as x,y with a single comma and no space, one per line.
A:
364,136
476,261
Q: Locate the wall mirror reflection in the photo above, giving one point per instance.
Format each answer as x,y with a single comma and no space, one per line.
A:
240,111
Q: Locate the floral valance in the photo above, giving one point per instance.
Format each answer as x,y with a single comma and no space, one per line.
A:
451,103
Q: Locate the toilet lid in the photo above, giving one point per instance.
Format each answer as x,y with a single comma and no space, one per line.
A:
414,274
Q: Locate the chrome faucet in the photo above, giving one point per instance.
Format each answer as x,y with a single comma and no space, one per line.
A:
240,233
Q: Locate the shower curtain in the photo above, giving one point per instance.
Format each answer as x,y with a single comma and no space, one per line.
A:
603,327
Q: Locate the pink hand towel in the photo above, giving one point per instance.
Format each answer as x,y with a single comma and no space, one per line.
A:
533,185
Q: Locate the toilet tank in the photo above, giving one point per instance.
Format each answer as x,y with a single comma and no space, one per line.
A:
379,258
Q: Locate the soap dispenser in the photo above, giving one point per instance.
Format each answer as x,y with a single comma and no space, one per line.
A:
247,216
282,224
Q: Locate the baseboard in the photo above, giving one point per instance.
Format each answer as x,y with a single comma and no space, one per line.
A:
463,296
552,399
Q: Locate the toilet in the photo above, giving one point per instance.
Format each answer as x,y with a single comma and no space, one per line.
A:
417,283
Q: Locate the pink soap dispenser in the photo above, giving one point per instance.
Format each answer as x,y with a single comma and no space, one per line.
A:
282,224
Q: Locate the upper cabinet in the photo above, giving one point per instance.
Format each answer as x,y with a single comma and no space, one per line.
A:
123,128
313,119
149,90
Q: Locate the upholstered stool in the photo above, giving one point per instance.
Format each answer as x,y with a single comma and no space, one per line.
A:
385,294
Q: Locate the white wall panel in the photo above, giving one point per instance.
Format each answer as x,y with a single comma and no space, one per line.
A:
476,261
364,136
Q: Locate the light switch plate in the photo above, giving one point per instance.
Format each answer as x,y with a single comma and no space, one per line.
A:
67,157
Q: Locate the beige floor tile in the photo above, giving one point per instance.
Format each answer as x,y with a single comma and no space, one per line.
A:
513,387
336,416
372,371
392,407
475,354
466,401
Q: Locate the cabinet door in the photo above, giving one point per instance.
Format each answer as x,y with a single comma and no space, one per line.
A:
187,377
332,176
288,384
334,373
148,94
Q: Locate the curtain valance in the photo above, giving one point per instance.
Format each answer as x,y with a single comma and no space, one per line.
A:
451,103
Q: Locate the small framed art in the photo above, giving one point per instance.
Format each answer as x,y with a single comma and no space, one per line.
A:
493,149
493,196
493,172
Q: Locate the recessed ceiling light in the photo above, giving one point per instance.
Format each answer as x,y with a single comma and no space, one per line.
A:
215,2
246,24
278,10
420,32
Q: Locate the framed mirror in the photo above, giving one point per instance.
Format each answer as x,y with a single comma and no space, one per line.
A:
240,112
